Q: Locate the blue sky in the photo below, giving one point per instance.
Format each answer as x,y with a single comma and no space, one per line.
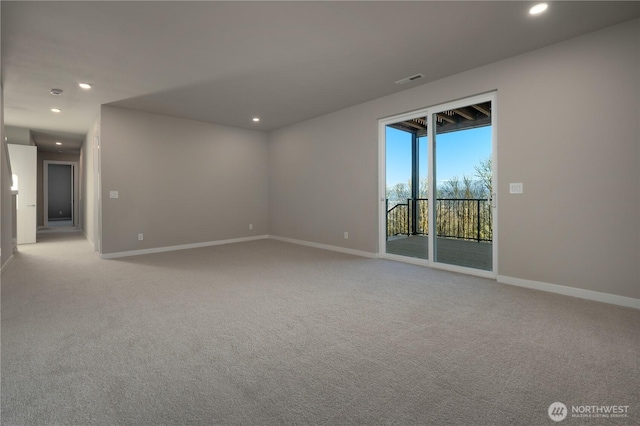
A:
456,153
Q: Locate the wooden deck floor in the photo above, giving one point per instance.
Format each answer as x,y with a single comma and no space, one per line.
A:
471,254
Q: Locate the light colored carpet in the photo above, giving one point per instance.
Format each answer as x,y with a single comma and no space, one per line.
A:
266,332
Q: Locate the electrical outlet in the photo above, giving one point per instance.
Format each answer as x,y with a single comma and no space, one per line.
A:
113,194
251,226
140,237
346,235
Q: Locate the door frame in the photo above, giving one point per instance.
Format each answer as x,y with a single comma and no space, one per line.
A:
382,160
74,189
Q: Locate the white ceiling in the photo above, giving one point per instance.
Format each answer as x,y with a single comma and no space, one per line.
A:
225,62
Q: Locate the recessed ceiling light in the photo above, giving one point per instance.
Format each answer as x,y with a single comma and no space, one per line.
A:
56,92
85,85
256,119
538,8
58,143
56,110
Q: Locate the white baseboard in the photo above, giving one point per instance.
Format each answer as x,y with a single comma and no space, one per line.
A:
179,247
613,299
6,264
325,247
519,282
93,246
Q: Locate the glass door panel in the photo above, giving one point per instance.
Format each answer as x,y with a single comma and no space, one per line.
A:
462,150
406,168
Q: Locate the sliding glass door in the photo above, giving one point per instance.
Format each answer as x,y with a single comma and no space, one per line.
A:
447,151
406,188
462,150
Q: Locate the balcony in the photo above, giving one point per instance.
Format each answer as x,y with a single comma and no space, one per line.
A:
464,232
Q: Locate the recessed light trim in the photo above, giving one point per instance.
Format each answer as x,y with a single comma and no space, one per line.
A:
56,92
538,8
58,143
85,86
256,119
56,110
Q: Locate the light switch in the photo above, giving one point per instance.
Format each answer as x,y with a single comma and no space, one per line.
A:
113,194
515,188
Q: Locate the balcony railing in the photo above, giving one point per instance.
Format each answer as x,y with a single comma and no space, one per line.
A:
465,218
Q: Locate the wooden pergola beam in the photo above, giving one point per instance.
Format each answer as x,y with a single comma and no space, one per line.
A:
464,114
482,109
446,118
414,124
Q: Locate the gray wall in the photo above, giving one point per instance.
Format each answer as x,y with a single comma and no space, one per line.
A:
567,128
18,135
179,181
323,180
7,211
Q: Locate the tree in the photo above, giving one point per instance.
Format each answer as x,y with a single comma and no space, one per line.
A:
462,205
399,192
484,172
465,188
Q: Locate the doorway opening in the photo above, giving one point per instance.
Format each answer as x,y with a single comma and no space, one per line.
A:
60,183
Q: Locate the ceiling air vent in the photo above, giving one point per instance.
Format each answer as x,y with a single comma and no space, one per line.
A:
409,79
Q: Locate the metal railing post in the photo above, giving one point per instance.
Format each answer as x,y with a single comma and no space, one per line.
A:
408,217
478,217
386,209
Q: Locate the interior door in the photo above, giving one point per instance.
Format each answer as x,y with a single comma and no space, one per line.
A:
24,165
